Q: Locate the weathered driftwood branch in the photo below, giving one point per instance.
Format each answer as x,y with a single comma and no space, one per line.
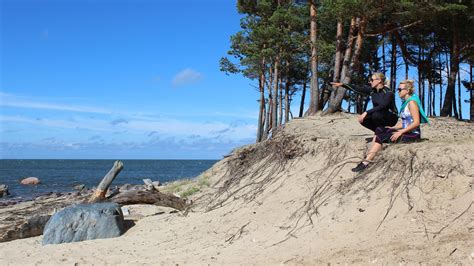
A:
149,197
101,190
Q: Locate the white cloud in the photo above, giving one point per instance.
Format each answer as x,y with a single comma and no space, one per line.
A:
167,127
88,124
89,128
9,100
185,77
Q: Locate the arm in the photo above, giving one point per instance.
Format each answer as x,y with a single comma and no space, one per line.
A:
383,103
366,90
397,126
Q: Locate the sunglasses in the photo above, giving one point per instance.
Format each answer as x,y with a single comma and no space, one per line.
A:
400,89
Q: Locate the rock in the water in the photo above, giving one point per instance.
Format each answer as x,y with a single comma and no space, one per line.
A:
84,222
3,190
80,187
30,181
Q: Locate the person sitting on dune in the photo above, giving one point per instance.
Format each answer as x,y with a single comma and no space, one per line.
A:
383,100
407,130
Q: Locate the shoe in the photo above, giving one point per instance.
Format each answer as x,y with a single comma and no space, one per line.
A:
360,167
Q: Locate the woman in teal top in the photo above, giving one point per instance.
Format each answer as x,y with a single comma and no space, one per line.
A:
407,130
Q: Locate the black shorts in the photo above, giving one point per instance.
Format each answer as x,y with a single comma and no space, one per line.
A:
383,134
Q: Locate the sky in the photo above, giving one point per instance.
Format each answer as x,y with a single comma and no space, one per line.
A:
123,79
103,79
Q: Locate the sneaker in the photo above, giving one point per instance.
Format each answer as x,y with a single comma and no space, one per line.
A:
360,167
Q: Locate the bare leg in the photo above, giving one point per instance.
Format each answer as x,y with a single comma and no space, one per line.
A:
376,147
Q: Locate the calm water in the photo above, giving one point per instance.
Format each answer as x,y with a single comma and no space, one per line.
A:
62,175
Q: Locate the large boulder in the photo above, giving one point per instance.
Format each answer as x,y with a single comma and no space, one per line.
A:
3,190
84,222
30,181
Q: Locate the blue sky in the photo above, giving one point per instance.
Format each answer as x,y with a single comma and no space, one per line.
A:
121,79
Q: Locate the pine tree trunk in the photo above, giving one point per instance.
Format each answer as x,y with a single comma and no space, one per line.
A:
420,72
287,101
269,116
429,96
455,106
459,95
261,113
337,64
440,83
338,57
280,105
384,62
393,64
275,94
266,119
421,88
303,95
449,98
314,86
355,64
422,94
433,100
337,95
471,89
358,48
406,68
348,53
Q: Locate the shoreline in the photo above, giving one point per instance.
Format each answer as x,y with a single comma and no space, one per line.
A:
61,176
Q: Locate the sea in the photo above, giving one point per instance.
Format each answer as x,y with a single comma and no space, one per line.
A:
62,175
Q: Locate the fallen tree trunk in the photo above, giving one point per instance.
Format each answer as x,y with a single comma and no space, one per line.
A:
150,197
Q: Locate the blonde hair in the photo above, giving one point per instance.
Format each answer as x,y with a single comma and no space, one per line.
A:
409,85
382,77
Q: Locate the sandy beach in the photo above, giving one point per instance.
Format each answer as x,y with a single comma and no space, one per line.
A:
294,200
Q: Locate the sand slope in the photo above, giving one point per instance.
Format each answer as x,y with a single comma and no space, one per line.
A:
294,200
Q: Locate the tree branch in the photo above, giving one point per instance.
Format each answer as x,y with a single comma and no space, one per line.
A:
393,28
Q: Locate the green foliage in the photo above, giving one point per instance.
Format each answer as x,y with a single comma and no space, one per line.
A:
272,29
187,187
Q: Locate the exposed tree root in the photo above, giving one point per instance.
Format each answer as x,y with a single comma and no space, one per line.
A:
260,164
402,172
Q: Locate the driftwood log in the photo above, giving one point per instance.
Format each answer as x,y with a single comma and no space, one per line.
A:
27,219
104,185
150,197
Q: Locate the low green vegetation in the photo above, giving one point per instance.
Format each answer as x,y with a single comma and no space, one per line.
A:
187,187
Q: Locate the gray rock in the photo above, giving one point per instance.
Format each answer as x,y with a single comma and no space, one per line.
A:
84,222
4,190
79,187
147,181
